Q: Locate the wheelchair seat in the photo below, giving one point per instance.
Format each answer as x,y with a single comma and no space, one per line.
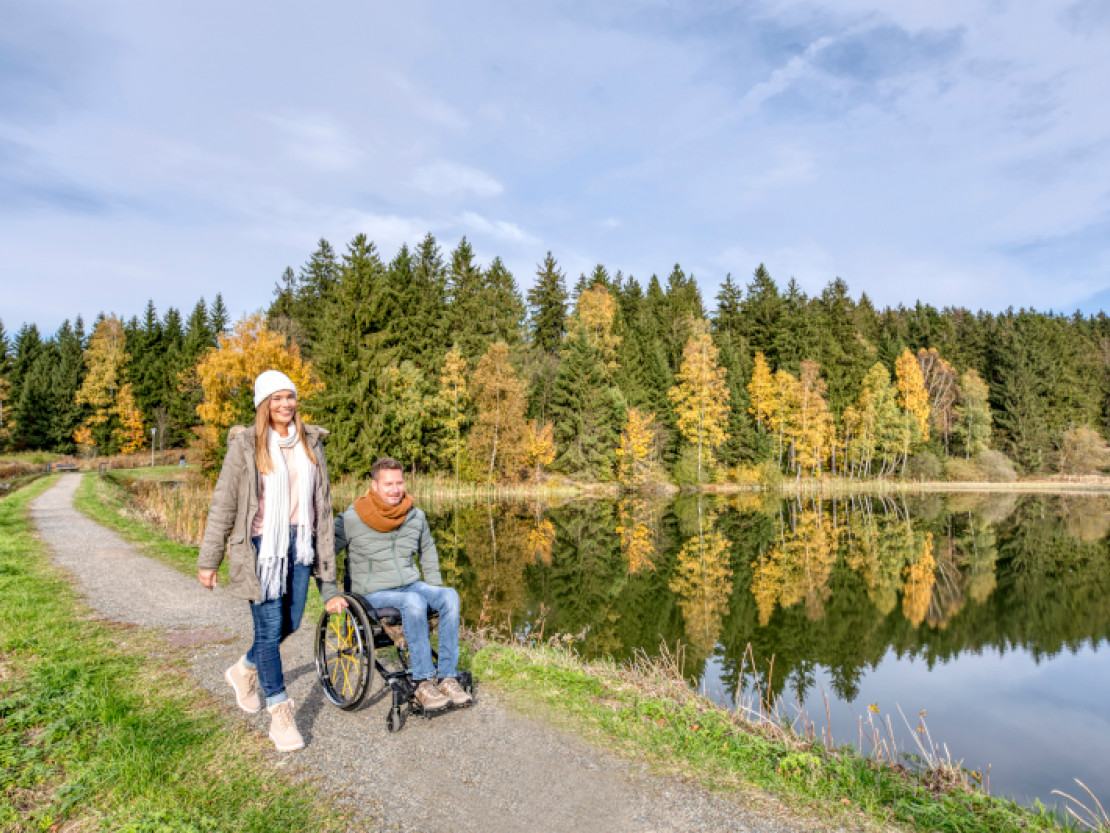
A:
346,659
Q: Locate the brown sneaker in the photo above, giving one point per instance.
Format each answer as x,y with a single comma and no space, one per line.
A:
429,697
455,692
283,728
244,682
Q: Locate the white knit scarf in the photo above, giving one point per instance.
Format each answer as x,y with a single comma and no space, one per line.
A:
273,551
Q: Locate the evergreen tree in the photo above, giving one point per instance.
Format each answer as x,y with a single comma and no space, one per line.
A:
469,324
218,318
5,387
587,411
761,315
425,334
67,374
352,353
547,303
27,350
840,351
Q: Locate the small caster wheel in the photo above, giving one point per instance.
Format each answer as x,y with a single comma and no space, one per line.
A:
394,721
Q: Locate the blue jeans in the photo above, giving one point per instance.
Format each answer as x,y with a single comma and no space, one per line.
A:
273,621
413,600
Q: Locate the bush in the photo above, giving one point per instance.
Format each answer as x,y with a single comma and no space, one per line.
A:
990,466
1082,450
923,466
686,468
995,467
959,469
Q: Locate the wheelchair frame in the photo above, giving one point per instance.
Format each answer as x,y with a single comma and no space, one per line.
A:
346,659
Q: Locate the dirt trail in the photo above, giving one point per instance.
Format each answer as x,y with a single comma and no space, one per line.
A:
483,769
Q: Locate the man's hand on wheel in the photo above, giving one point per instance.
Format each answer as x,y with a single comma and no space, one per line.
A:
335,604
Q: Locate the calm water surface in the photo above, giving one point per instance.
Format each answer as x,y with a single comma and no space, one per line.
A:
990,613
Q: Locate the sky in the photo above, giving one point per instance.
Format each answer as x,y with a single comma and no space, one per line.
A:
952,152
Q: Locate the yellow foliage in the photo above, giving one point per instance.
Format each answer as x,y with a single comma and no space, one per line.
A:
763,392
912,395
634,451
104,357
130,434
703,582
920,578
541,445
701,396
595,313
500,433
636,530
227,373
541,540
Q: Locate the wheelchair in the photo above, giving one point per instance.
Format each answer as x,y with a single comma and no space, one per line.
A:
347,657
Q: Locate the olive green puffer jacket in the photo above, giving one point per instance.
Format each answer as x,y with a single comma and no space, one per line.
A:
384,560
235,503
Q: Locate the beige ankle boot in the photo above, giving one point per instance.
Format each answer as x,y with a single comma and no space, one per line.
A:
283,728
244,682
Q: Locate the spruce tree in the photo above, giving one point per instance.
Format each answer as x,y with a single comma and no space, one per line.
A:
350,356
547,304
587,411
218,318
67,374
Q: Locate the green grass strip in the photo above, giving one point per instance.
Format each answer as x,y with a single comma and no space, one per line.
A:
697,739
100,728
104,500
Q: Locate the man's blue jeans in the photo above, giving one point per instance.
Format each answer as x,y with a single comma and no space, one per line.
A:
273,621
414,600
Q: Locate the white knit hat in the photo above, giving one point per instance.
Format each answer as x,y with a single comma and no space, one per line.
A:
270,382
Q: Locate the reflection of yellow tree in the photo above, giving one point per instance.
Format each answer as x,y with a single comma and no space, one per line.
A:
498,547
799,566
703,582
920,578
637,534
878,555
948,595
540,541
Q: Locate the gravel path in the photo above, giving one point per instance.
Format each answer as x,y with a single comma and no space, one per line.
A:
482,769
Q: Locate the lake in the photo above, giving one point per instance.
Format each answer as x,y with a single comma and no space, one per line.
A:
989,613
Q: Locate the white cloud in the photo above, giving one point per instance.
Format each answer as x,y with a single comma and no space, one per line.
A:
317,142
451,179
500,230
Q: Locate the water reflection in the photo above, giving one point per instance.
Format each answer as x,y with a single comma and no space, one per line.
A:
858,596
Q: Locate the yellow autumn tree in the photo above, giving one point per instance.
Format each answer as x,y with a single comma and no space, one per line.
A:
541,446
762,391
541,540
635,449
815,423
701,398
452,400
130,432
226,375
500,434
913,398
105,357
595,314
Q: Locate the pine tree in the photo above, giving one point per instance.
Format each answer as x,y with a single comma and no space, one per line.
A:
5,387
761,315
66,415
586,410
973,414
352,352
547,303
218,318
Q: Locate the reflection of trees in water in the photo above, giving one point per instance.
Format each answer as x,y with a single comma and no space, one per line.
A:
637,527
702,580
832,585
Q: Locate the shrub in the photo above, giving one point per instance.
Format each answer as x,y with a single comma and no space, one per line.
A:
959,469
1082,450
923,466
996,467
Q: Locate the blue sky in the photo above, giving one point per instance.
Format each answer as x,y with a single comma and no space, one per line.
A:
953,152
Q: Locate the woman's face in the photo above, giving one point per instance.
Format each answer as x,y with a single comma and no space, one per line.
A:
283,406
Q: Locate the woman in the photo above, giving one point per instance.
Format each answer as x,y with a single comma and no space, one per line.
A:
273,500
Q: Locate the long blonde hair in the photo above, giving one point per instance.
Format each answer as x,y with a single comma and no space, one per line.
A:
262,459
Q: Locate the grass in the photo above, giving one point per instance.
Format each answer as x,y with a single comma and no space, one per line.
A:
101,728
646,711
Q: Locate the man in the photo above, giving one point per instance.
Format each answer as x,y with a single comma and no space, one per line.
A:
384,535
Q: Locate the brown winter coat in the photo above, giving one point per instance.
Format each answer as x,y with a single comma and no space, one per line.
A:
235,503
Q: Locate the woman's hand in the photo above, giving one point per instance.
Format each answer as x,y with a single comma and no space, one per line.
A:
335,604
207,578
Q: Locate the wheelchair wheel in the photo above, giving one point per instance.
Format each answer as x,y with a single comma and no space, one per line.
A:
395,720
345,655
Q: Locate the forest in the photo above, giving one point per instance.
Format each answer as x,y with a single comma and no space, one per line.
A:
443,363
